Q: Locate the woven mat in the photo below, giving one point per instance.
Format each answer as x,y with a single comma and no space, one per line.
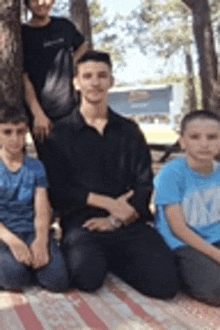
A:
116,306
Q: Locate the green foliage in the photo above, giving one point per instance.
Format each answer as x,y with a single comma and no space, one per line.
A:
169,24
105,32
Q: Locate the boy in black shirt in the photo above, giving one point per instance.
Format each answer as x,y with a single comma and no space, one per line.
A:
48,46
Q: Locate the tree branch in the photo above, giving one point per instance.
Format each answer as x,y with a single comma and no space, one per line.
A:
190,3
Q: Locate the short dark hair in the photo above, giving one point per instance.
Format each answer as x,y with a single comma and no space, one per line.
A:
11,114
94,55
197,114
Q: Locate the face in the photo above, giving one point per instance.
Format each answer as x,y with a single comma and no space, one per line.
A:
201,141
12,137
93,81
41,8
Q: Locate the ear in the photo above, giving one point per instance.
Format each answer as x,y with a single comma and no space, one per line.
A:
112,81
75,84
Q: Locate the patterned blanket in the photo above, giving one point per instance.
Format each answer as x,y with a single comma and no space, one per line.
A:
116,306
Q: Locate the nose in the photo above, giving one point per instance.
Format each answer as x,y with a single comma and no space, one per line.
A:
204,141
14,137
95,81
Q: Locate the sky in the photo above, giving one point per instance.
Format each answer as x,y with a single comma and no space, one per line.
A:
140,67
120,6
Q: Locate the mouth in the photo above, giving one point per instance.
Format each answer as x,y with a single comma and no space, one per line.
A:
204,152
15,147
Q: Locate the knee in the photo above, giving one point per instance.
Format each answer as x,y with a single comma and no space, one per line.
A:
15,276
165,290
160,288
59,283
54,277
209,295
164,284
88,282
87,272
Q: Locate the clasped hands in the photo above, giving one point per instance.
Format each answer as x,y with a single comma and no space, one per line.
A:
35,256
120,213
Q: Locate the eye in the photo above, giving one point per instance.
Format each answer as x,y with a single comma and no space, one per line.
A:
103,75
7,131
87,75
194,136
212,136
21,131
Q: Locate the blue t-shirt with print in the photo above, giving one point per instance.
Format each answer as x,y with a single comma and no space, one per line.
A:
17,192
199,196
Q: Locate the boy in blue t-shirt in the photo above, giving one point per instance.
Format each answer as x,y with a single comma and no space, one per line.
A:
25,247
188,206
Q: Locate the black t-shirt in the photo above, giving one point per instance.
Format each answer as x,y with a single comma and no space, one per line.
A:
48,60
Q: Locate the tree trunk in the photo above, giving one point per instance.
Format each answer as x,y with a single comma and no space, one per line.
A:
11,81
207,55
191,93
79,13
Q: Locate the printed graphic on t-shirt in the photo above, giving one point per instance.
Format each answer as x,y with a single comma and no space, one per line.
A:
202,207
52,43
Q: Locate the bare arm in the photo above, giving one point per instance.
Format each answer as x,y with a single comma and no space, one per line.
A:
39,247
118,207
80,51
42,124
18,248
177,223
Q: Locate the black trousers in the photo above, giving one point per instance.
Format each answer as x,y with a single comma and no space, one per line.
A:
137,254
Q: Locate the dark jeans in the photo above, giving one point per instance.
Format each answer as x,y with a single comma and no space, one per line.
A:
137,254
200,275
16,276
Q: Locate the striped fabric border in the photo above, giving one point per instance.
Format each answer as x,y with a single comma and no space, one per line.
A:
116,306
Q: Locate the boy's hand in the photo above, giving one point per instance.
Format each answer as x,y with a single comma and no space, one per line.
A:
40,254
42,126
21,251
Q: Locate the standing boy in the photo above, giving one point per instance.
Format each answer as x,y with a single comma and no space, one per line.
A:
25,246
102,181
50,45
188,206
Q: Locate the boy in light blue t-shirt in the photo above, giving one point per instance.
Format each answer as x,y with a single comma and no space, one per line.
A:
188,206
26,250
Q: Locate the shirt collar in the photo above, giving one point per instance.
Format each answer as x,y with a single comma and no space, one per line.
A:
79,123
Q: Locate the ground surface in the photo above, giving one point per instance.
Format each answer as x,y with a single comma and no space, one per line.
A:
115,307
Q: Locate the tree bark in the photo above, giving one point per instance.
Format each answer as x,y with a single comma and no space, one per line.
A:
207,55
191,93
11,81
79,13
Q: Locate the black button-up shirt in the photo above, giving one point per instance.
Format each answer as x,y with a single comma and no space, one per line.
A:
80,160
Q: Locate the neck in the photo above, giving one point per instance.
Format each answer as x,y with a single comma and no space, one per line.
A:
202,168
38,21
93,112
95,116
11,159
